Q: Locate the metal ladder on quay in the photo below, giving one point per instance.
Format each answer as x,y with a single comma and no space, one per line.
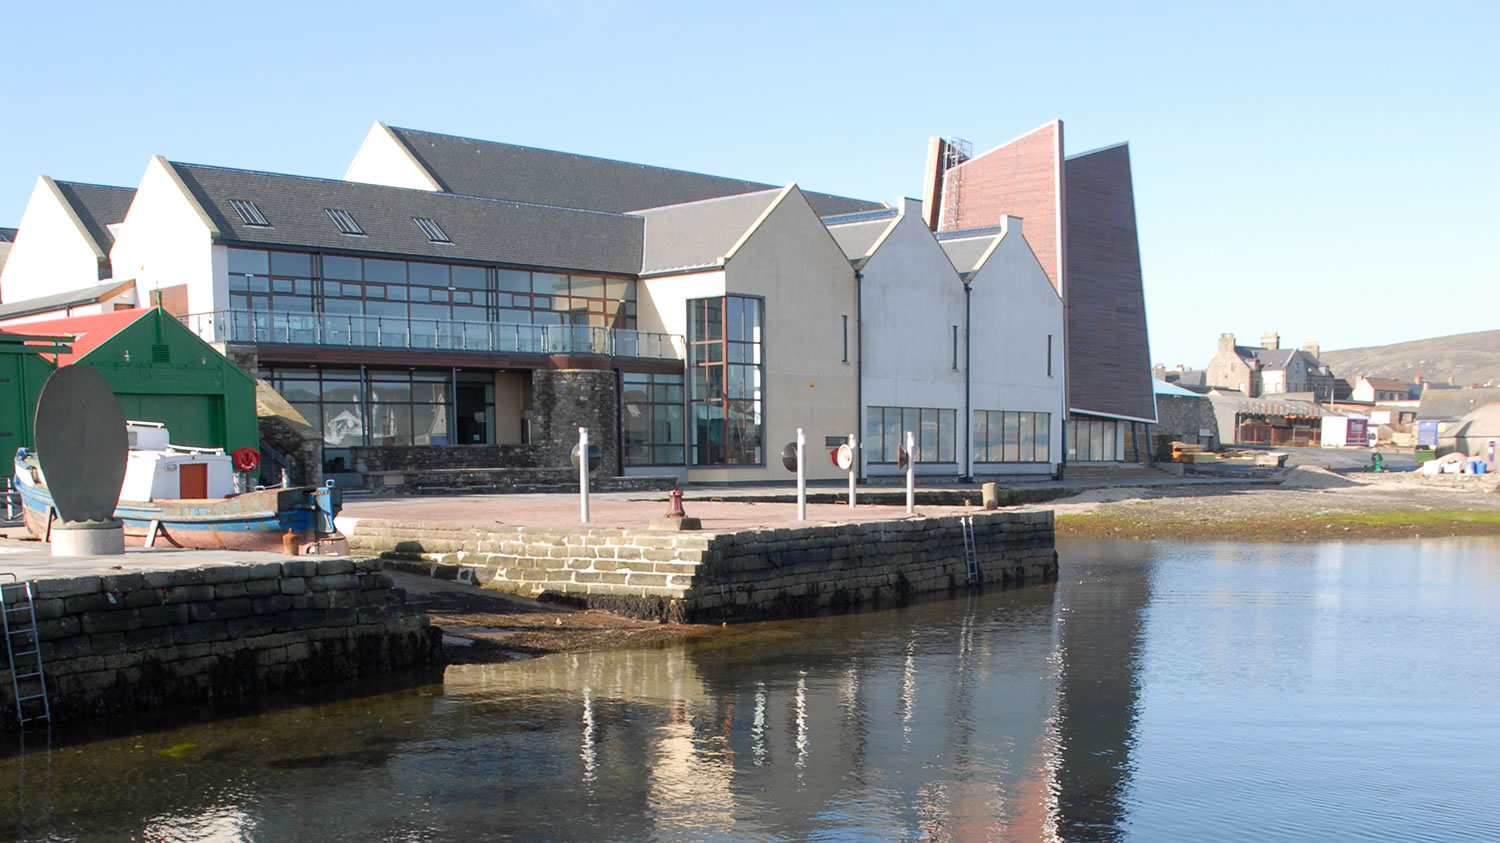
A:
971,551
23,648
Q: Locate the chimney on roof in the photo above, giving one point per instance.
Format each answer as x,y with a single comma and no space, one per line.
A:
1311,350
1226,343
1271,340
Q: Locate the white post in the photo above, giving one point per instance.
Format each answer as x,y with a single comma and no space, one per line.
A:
853,466
801,476
583,475
911,473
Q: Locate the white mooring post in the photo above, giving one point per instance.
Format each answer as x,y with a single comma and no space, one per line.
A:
911,473
853,466
801,475
583,475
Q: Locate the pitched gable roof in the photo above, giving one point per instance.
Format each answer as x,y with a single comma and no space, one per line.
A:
482,230
859,235
697,235
527,174
968,249
97,206
88,332
1387,384
1444,404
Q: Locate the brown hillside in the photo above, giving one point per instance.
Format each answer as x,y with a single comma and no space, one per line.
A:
1467,358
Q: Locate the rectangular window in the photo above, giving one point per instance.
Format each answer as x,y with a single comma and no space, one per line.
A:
651,419
434,232
935,430
727,385
345,222
249,213
1003,436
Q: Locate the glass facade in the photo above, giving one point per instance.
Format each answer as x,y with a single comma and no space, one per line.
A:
387,407
936,430
1093,440
727,386
653,419
1011,436
423,297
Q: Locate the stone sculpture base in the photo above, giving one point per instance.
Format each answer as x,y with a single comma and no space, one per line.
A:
88,538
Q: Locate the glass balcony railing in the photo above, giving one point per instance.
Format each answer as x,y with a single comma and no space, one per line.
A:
324,329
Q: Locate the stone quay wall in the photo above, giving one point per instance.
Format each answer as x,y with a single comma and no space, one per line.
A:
710,577
134,641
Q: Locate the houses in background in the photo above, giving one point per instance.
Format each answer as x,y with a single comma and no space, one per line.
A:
454,303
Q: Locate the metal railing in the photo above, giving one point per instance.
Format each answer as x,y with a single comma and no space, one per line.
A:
326,329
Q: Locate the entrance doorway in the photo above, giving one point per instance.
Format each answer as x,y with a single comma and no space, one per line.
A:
474,400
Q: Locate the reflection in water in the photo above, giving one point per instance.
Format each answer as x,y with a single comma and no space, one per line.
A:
1158,691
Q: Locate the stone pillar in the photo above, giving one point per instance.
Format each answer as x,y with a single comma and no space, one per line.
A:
566,399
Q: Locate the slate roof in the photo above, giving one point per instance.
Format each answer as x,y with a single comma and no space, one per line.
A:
858,238
59,301
527,174
482,230
696,235
98,206
1445,404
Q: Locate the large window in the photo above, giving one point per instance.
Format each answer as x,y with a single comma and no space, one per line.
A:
387,407
727,387
1092,440
1010,436
935,429
653,421
261,280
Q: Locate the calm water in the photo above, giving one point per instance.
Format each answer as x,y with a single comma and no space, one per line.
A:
1160,691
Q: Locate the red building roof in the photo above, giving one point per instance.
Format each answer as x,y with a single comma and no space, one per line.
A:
88,332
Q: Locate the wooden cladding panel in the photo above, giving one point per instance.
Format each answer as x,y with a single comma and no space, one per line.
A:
1109,363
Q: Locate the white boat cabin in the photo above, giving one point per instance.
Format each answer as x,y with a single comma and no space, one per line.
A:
158,470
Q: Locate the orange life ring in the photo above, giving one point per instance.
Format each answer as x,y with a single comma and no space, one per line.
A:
246,460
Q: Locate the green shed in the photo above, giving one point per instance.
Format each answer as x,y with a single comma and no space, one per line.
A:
22,372
160,371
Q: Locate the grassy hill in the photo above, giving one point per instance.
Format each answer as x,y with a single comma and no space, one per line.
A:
1468,358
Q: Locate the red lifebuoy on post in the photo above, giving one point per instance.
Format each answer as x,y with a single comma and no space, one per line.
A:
246,460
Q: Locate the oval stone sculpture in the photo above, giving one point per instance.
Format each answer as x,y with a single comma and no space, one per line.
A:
81,443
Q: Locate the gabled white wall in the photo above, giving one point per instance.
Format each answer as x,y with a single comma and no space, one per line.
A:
661,303
167,240
1015,308
912,299
53,253
384,159
792,261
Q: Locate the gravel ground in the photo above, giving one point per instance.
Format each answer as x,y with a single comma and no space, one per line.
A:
1310,504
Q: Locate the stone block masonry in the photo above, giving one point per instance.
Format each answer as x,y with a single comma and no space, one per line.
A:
711,577
134,641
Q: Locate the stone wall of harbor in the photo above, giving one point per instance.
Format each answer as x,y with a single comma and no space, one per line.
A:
747,575
133,641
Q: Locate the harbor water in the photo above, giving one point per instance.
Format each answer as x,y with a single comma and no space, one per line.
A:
1157,691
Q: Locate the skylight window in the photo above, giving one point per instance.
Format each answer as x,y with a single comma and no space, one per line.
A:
345,222
431,229
249,213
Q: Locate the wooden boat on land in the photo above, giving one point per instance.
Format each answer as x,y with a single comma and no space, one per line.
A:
186,498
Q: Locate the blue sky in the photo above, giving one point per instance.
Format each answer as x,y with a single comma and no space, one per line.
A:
1327,171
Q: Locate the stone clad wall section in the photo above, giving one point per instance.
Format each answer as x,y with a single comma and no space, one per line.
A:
700,577
133,641
789,573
